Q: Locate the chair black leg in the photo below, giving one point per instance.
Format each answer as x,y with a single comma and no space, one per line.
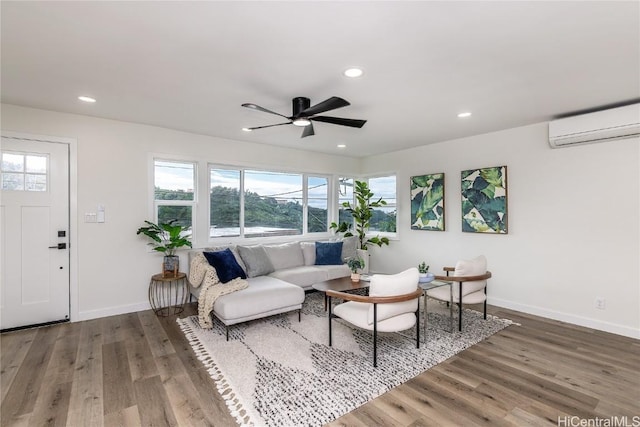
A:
375,335
460,308
329,308
485,302
299,315
227,328
418,325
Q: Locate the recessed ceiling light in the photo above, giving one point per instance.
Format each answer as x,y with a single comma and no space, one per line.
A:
465,114
247,129
341,146
86,99
353,72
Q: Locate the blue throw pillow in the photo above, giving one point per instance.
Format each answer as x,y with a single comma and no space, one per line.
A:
225,264
328,253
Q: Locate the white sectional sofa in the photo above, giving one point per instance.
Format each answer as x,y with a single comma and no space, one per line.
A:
278,276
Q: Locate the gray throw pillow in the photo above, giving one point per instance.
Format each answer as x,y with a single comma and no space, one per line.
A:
286,255
256,260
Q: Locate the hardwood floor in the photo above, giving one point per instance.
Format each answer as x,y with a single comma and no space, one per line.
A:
138,369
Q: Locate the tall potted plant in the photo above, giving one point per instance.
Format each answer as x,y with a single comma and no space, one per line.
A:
362,212
167,237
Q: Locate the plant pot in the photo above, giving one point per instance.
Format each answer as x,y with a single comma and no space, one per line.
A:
355,277
170,266
426,277
364,255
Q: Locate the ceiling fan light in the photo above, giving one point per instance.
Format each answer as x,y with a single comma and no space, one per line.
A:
247,129
464,114
353,72
87,99
302,122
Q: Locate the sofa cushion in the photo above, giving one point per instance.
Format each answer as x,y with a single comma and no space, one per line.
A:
335,271
304,276
225,264
286,255
328,253
263,295
256,260
308,252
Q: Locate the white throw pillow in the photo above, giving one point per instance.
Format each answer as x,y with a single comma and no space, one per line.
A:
472,267
383,285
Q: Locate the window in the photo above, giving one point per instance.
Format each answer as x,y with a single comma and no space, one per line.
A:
24,172
174,191
255,203
317,204
224,203
345,194
384,218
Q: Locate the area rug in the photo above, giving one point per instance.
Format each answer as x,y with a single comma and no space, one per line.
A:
281,372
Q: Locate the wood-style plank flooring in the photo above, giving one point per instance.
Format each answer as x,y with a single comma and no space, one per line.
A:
138,369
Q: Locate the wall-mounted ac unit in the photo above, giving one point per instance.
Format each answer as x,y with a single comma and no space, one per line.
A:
616,123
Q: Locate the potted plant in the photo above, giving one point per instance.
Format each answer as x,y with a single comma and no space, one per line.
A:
362,212
167,237
425,276
355,264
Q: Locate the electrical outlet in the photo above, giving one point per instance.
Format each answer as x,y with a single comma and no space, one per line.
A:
600,303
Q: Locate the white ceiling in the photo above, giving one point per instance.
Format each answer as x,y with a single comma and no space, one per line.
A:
190,65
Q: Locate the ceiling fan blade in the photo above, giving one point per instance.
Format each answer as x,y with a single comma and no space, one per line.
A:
354,123
268,126
259,108
308,131
326,105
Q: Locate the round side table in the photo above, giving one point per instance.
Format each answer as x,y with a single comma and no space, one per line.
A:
167,293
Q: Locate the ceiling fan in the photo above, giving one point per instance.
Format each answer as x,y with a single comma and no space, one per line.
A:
304,114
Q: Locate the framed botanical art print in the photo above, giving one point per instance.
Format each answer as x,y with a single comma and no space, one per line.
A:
427,202
484,200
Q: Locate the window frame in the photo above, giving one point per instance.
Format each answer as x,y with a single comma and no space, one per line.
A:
157,203
305,233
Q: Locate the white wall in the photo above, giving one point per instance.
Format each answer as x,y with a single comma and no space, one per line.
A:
574,213
573,224
114,265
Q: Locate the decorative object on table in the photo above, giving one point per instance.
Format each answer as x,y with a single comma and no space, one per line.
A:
362,212
168,295
425,276
167,237
427,202
355,265
296,386
484,200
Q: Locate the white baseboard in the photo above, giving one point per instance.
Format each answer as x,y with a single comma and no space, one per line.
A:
568,318
113,311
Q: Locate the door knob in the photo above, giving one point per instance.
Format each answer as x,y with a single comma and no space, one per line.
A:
59,246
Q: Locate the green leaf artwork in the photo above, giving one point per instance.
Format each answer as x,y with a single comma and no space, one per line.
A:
484,200
427,202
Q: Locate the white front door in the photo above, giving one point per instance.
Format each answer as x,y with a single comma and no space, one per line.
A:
34,227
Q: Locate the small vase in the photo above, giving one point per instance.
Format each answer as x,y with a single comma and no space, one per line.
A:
355,277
